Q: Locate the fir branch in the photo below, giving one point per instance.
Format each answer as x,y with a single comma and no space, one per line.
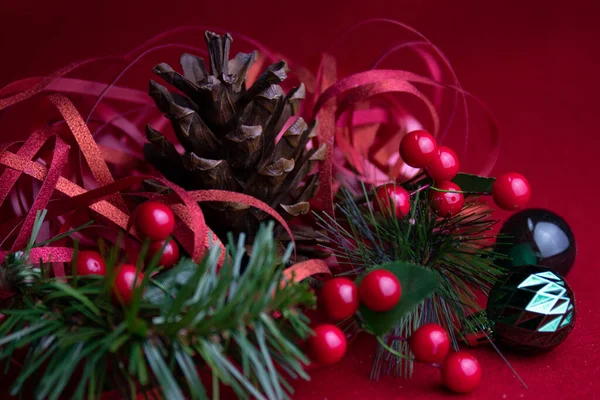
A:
191,316
458,248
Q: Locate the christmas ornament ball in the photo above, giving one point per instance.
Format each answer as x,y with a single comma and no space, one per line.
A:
532,309
538,237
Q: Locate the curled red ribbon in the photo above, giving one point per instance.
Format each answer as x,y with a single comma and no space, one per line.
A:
341,124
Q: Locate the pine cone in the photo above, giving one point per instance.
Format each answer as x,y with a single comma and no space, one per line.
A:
228,133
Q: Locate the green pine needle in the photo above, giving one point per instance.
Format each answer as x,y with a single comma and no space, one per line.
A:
184,319
457,248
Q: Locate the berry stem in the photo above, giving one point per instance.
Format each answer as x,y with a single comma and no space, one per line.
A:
397,354
420,189
458,191
394,352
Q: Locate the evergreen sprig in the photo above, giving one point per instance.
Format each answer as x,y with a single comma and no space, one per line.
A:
240,326
458,248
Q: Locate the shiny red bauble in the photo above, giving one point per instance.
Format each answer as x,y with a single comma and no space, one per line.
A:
89,263
154,220
393,197
446,203
461,372
444,166
380,290
123,286
430,343
169,252
339,297
511,191
418,149
328,344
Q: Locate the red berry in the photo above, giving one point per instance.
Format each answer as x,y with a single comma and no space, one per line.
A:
90,263
461,372
444,166
169,255
339,296
123,289
418,149
430,343
393,197
511,191
380,290
327,345
446,203
154,220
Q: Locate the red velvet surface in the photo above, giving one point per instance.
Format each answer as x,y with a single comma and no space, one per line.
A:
534,63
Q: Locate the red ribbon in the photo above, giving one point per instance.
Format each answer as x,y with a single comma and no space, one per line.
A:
333,103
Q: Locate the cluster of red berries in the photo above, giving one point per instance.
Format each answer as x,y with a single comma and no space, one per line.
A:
380,290
154,221
460,371
419,149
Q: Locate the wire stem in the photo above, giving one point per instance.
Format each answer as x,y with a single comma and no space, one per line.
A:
394,352
420,189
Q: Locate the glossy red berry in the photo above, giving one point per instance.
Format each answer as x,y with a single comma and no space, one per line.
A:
444,165
327,345
339,297
125,277
430,343
380,290
418,149
511,191
461,372
446,203
154,220
169,252
394,197
90,263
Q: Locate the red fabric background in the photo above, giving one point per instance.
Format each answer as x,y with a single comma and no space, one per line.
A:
534,63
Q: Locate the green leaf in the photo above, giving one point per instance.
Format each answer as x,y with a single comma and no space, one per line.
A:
474,183
170,281
417,283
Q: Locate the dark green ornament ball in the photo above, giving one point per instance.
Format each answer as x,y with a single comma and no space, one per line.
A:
537,237
532,309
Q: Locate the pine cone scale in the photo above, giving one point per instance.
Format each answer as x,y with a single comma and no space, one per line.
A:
229,132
